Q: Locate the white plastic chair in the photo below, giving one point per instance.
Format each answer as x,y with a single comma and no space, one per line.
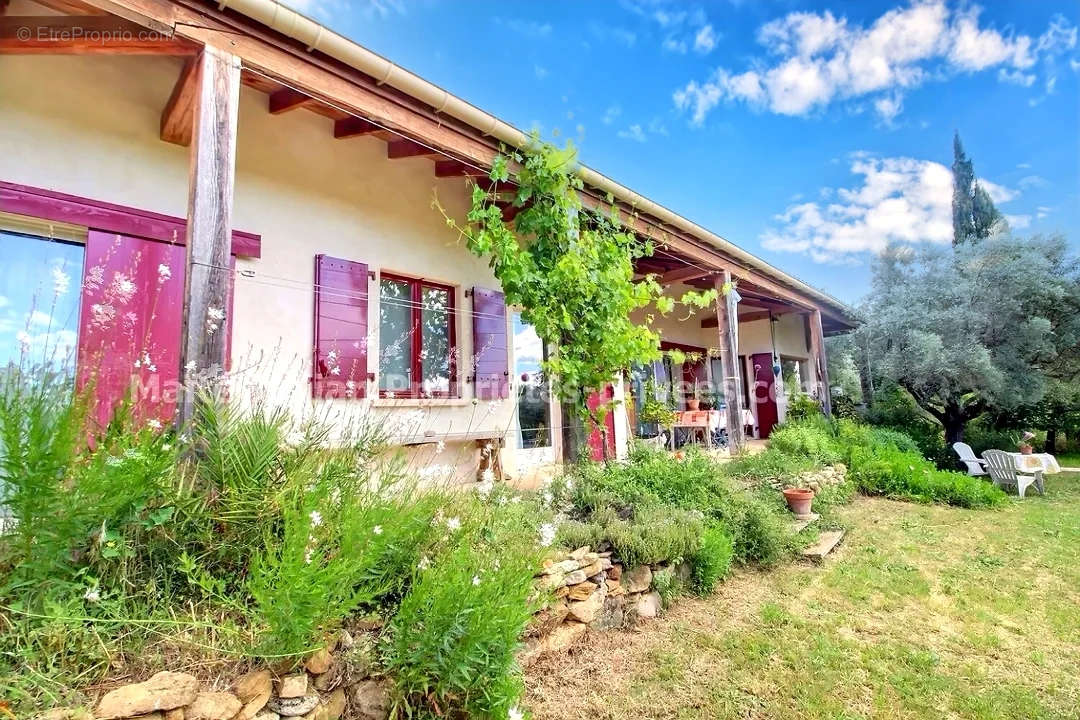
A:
1004,473
967,456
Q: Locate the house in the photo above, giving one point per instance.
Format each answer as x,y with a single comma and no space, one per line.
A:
192,185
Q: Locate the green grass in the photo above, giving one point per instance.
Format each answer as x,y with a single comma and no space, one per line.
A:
925,611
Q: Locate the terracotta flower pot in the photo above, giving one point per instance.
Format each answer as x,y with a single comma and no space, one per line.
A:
799,500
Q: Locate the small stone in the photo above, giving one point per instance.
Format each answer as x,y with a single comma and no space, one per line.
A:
605,554
174,714
327,681
164,691
595,568
369,700
612,615
582,591
335,705
580,552
319,662
266,714
587,559
213,706
586,610
561,568
562,592
648,605
615,572
616,591
553,580
345,640
638,580
548,619
293,706
575,578
564,636
292,686
251,685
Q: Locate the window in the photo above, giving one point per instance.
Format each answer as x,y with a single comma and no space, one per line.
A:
39,299
417,337
533,407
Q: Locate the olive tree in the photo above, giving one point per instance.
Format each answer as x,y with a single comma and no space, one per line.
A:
977,327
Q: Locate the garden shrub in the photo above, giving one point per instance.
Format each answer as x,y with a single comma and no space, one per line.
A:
712,561
812,439
668,585
886,470
451,643
769,466
651,534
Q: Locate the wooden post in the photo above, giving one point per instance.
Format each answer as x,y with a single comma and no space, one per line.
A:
817,350
209,223
727,323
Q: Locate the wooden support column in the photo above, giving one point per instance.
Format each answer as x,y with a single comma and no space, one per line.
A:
727,323
209,223
817,351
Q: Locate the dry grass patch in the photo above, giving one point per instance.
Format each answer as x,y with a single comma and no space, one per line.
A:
923,612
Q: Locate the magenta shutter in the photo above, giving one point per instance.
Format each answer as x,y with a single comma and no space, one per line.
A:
341,328
129,325
489,344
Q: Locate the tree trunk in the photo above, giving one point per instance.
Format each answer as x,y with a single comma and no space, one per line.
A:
572,437
954,428
1051,440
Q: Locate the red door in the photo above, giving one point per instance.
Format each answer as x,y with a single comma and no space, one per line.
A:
596,442
129,325
764,392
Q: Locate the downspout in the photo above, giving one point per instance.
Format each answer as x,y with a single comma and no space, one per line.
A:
315,36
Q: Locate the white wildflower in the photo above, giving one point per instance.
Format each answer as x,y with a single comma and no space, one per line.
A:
377,529
307,555
122,287
190,367
439,447
102,314
163,273
92,594
515,500
547,534
514,714
153,424
475,579
113,461
166,447
24,340
424,563
316,518
453,524
95,277
546,497
60,281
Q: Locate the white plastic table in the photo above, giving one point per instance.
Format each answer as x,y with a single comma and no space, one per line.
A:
1045,463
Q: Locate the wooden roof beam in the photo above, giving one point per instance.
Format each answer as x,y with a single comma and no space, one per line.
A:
288,99
456,168
99,35
354,127
178,117
684,274
398,149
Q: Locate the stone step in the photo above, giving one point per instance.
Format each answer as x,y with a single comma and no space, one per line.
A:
800,524
825,544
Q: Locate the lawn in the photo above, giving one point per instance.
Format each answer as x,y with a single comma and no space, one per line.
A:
923,612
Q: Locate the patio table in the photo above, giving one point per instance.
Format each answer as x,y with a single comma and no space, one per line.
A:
1045,463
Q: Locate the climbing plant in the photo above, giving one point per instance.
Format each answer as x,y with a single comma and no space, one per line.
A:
570,268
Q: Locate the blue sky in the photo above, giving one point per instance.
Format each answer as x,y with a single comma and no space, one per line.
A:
39,299
808,133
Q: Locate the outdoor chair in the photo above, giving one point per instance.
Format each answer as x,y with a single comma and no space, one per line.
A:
1004,473
967,456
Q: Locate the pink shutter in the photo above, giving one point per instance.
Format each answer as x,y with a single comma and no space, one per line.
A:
341,328
489,344
129,325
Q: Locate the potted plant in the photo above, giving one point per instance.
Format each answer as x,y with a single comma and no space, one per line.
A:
799,499
1023,443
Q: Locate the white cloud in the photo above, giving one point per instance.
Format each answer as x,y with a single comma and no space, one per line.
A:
39,319
1016,77
540,71
611,114
998,193
4,302
705,40
675,45
815,59
896,200
889,106
1018,222
1032,181
634,132
619,34
1042,211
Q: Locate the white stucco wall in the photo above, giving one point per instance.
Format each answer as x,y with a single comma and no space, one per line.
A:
88,126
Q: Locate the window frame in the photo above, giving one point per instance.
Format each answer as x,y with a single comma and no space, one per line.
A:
417,285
